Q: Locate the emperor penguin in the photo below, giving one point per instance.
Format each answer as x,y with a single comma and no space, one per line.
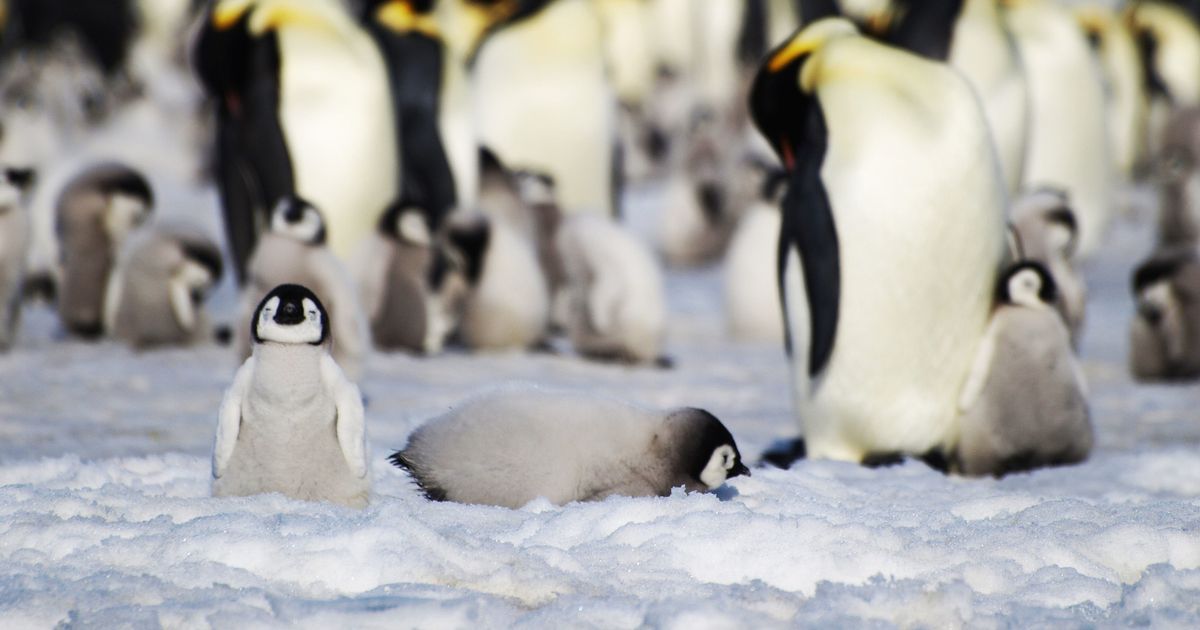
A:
157,290
95,214
1169,45
507,304
1112,37
1025,403
510,446
752,308
292,422
14,243
1176,171
885,264
429,94
294,251
303,107
616,308
544,100
970,35
1164,341
1069,140
1046,232
396,277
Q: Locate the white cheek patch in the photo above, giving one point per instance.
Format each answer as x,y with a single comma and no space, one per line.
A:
412,228
1023,289
1060,239
9,196
1170,327
124,214
305,230
717,470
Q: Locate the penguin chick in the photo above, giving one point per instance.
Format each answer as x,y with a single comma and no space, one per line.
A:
696,222
753,311
616,305
1024,404
511,446
1176,170
157,292
1046,232
1165,332
293,251
14,245
506,304
291,422
538,194
395,279
96,212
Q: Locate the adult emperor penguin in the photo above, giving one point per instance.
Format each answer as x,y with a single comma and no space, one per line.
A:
426,79
14,243
1069,141
294,251
303,107
886,263
1112,38
507,304
544,101
157,291
510,446
292,422
95,214
1165,333
1045,232
968,34
395,279
1025,404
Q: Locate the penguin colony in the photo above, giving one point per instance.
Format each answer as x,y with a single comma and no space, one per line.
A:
901,195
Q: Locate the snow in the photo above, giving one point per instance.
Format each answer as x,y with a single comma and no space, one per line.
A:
106,518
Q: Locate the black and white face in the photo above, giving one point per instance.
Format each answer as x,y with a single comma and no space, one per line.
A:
1024,288
1028,284
723,464
290,314
298,219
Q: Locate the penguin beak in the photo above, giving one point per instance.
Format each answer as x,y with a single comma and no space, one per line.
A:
738,470
227,13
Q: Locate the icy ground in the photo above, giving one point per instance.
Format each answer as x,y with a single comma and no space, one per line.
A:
105,517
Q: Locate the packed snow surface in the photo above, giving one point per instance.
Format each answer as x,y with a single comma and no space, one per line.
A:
106,518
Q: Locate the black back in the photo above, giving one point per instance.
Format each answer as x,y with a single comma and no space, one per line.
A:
240,74
795,125
415,61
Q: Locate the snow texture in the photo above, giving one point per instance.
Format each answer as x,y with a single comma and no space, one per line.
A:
106,518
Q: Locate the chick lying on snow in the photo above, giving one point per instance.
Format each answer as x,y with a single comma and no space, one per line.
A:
511,446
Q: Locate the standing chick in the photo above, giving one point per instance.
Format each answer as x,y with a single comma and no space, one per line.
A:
291,422
1024,403
293,251
14,244
616,307
157,291
511,446
96,213
1046,232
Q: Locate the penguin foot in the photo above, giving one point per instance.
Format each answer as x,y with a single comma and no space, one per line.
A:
784,453
882,460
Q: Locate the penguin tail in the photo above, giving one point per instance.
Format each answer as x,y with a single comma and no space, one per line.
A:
431,491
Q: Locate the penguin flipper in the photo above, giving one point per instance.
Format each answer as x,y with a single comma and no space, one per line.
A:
229,421
350,422
976,379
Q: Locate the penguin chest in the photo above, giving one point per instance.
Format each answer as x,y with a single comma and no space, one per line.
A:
335,111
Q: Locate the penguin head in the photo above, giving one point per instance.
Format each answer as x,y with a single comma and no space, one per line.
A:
1048,211
783,102
202,268
537,191
708,451
406,224
130,202
290,314
1027,284
296,218
925,27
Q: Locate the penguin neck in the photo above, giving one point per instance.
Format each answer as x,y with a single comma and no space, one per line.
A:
288,369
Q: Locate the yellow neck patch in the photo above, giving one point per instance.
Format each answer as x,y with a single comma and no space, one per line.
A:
398,15
228,12
810,39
